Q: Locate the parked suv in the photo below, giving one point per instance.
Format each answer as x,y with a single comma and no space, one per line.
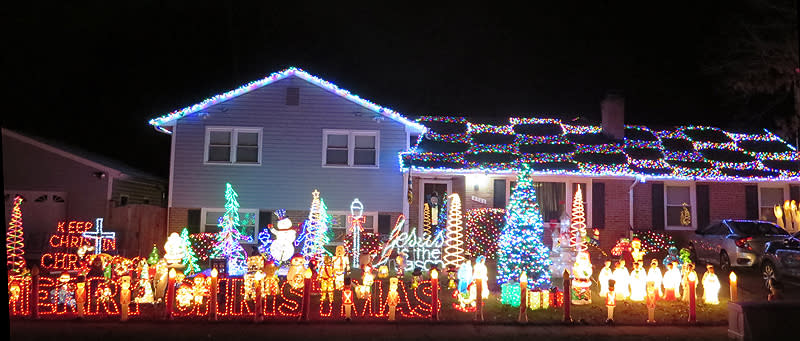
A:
735,243
781,259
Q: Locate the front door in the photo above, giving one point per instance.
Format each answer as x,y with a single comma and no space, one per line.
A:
432,205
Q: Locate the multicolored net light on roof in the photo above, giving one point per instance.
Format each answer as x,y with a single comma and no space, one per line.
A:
159,122
689,153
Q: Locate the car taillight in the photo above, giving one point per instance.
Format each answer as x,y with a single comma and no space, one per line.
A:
743,243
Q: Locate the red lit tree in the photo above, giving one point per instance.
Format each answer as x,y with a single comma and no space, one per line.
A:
15,241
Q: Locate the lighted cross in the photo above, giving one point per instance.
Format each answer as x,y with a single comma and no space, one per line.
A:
98,235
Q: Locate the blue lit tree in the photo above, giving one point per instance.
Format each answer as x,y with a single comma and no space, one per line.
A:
229,236
315,229
520,248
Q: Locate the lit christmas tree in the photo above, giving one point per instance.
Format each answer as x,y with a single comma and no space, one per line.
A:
577,229
229,236
326,236
153,258
454,241
316,226
426,220
189,257
520,248
15,241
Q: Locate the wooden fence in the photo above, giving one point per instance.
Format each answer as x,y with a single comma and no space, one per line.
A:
138,227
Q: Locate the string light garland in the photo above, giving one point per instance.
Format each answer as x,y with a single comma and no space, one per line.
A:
167,119
15,241
203,245
603,158
454,241
520,247
483,230
654,241
370,242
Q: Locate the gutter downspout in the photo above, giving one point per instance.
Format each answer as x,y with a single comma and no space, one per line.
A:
630,206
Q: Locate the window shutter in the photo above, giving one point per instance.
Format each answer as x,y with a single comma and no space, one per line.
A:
598,205
751,201
193,221
292,96
703,213
500,193
264,219
658,206
384,224
794,193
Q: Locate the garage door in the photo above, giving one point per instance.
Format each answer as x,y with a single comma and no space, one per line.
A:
41,211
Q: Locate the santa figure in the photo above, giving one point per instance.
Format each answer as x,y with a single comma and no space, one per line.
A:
581,284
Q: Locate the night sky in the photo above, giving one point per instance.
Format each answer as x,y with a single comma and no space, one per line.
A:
93,76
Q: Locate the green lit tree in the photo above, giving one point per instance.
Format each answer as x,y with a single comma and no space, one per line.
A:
189,257
520,248
154,256
229,237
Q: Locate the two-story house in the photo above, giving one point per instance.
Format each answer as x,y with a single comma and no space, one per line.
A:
278,139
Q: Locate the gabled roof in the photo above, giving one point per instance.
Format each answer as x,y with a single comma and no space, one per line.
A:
169,118
112,168
551,146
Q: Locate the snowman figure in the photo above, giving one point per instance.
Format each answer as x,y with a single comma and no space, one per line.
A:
282,247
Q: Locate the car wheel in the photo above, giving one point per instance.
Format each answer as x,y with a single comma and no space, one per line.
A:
767,272
724,263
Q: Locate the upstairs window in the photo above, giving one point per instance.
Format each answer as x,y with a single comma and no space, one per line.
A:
350,148
233,145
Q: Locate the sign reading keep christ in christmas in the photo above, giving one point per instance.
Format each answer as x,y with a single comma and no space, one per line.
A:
71,236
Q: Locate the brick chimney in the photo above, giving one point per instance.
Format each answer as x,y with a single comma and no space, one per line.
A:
612,109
